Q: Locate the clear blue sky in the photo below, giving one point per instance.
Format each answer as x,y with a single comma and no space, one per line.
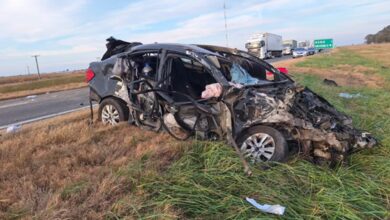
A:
70,34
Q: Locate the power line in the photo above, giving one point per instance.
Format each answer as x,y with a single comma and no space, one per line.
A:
226,29
36,62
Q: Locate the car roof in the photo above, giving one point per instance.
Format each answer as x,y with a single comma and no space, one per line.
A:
180,48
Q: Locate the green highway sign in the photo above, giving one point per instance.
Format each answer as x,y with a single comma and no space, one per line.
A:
323,43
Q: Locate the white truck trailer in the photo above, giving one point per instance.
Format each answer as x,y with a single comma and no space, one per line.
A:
289,46
265,45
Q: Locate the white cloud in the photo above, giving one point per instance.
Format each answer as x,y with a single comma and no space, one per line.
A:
59,52
69,36
33,20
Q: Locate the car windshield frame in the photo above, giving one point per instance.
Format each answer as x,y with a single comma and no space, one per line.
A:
241,74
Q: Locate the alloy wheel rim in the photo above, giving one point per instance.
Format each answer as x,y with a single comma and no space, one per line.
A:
110,115
259,147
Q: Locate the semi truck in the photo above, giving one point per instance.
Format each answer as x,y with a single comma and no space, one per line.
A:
289,46
305,44
265,45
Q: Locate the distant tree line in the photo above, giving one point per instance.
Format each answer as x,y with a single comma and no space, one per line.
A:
380,37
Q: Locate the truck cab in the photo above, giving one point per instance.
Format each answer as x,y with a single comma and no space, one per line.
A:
265,45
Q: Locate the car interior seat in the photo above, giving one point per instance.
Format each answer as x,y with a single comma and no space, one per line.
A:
180,81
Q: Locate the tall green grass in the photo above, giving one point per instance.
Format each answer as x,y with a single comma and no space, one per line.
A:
208,182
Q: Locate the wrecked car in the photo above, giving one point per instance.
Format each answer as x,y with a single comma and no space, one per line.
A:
218,93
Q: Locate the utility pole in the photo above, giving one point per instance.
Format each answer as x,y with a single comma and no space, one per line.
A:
226,29
28,70
36,61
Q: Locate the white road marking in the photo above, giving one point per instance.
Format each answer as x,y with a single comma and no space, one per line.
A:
45,117
17,103
31,96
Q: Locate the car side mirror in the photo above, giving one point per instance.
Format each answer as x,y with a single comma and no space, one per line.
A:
262,43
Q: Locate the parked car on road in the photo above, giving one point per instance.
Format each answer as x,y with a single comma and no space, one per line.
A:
311,51
300,52
218,93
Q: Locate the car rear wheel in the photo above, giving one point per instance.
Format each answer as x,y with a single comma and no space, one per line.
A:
262,143
112,111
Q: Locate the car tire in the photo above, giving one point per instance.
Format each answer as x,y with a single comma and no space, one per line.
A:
262,144
112,111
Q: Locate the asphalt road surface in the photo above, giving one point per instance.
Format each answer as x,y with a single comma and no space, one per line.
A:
33,108
279,59
22,110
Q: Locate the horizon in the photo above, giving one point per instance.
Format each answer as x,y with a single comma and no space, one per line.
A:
70,35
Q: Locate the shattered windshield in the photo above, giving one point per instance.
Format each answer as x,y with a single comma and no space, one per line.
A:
241,76
243,71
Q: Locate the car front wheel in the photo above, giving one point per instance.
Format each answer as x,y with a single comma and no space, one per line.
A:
112,111
262,143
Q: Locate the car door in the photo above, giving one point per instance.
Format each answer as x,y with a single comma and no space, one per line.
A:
183,80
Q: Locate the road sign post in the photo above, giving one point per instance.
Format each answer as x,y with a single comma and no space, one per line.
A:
323,43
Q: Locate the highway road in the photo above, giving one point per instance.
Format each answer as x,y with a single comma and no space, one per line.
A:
30,108
33,108
279,59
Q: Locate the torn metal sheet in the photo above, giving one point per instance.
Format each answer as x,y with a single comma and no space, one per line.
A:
304,117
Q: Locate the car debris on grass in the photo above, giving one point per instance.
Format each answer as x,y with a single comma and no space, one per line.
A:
13,128
273,209
218,93
349,95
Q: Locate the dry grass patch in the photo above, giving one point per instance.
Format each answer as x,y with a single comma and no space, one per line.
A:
348,66
20,86
63,168
346,75
343,74
34,77
378,52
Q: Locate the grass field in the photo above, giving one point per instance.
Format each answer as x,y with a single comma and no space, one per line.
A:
63,168
19,86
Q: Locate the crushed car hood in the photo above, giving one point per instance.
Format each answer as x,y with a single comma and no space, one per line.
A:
314,124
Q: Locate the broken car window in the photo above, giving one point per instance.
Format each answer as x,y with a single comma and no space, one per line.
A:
241,76
145,65
188,76
234,72
240,70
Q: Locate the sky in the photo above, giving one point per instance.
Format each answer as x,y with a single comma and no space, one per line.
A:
71,34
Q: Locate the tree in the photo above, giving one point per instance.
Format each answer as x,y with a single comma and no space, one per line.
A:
382,36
